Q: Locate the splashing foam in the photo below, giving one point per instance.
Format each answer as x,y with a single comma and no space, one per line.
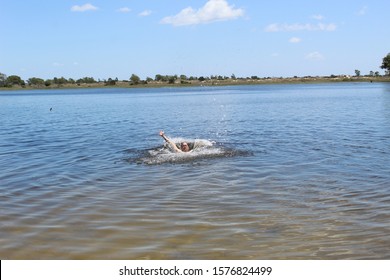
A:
201,149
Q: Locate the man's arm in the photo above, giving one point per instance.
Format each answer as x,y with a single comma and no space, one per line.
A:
170,142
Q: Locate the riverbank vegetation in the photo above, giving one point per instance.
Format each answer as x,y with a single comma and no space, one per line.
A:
16,82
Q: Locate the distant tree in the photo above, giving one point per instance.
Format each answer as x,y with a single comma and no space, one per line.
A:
386,63
158,78
35,82
110,82
172,79
183,77
233,77
48,82
357,73
60,81
134,79
3,79
201,79
86,80
14,80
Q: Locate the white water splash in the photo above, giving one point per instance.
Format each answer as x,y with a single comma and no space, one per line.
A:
200,149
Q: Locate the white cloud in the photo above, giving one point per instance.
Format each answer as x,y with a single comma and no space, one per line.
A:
315,56
213,10
83,8
124,10
277,27
295,40
145,13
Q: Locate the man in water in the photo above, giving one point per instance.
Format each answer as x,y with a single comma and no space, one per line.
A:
184,147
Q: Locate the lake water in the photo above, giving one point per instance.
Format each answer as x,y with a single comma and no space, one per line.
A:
287,172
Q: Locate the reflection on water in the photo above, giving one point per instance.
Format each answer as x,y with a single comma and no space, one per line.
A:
290,172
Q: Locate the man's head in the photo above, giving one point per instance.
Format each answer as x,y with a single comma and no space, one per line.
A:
184,147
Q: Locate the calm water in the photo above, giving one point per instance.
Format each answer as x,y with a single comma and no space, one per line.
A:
290,172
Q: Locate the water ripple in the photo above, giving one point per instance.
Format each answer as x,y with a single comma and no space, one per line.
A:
293,172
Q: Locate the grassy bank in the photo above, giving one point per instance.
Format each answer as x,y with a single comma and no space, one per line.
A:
209,82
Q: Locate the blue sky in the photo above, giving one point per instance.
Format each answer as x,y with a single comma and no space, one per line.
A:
116,38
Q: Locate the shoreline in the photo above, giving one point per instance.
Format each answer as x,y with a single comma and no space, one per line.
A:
212,83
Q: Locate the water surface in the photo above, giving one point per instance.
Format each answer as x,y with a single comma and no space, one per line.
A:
292,172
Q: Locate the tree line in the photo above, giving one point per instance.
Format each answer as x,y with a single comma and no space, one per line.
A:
14,80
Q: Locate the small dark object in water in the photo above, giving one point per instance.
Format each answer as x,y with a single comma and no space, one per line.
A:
51,109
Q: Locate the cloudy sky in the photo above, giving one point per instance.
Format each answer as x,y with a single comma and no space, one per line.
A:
102,39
